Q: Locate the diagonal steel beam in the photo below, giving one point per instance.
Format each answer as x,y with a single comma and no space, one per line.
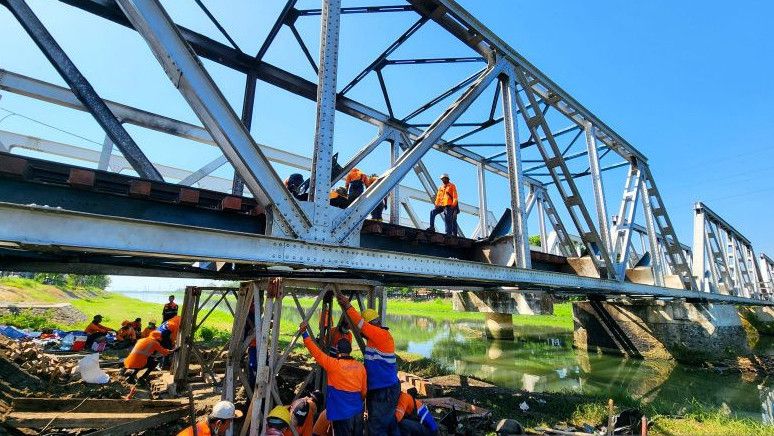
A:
82,88
197,87
349,219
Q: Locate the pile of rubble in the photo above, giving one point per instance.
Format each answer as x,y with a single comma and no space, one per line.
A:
31,359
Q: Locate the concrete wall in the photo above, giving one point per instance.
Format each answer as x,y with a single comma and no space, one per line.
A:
686,332
522,303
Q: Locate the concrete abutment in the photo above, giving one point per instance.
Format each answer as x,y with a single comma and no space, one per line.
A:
688,332
499,308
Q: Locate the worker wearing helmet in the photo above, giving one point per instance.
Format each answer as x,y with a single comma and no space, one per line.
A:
217,422
346,386
381,366
278,422
413,417
141,356
355,182
446,202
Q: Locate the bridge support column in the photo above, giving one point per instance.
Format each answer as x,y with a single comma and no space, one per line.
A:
499,308
688,332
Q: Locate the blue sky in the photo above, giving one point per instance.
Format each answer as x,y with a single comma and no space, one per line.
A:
689,86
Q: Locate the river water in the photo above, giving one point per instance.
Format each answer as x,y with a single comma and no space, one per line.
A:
543,360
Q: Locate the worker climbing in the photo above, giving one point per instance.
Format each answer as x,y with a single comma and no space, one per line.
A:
216,423
346,388
381,366
446,203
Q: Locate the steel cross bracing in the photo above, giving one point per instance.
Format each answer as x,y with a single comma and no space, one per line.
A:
527,100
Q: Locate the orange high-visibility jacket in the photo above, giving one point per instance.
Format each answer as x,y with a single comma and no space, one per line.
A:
173,325
322,427
202,429
355,175
346,382
138,358
447,195
95,328
380,361
146,332
126,334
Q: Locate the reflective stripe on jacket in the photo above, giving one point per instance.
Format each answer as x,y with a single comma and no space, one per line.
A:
447,195
410,408
143,349
380,362
346,382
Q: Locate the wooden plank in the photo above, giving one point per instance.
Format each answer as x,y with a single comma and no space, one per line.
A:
156,420
72,420
91,405
458,405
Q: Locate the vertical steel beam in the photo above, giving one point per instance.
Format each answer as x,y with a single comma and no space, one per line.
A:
350,219
82,89
542,224
698,267
513,148
104,156
599,190
395,149
650,225
622,230
320,185
483,219
248,104
186,72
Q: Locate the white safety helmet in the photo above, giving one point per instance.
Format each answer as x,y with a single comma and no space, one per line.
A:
225,410
444,176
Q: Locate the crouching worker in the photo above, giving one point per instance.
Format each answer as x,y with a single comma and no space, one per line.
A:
141,357
217,423
346,386
414,419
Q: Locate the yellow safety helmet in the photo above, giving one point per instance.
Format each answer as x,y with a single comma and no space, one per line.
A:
280,412
369,315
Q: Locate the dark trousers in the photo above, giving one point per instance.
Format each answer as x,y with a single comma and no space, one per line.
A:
381,410
355,189
166,342
349,427
409,427
449,218
377,213
149,366
252,365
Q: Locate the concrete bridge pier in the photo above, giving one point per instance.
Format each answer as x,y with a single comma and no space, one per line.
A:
656,329
499,308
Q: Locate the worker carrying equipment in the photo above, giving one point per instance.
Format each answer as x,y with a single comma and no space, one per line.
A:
217,423
347,384
413,417
446,202
141,356
381,366
355,182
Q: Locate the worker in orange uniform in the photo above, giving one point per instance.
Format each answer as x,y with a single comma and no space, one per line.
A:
147,330
169,310
322,427
355,182
125,336
346,386
95,330
169,330
338,197
381,365
303,411
341,331
414,419
141,357
446,202
217,423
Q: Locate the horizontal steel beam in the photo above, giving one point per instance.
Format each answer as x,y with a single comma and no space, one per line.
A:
39,228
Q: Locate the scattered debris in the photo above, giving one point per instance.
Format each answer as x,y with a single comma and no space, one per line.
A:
34,361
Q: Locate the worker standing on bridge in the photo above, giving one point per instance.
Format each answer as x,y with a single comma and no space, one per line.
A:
414,419
169,310
355,182
381,366
346,386
217,423
446,202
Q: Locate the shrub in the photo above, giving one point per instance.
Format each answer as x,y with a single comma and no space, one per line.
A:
25,319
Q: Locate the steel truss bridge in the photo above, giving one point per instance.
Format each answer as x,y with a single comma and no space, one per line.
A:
174,221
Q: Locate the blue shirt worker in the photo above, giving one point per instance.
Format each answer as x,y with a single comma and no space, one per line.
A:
346,386
381,366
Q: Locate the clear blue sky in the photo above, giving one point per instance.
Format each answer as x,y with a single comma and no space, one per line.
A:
688,84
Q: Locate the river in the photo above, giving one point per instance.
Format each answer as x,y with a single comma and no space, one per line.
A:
543,360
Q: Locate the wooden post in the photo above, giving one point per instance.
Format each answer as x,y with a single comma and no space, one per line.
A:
235,349
185,337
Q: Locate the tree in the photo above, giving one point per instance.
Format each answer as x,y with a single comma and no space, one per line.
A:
534,240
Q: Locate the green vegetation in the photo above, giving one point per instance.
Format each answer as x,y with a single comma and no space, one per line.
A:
25,319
